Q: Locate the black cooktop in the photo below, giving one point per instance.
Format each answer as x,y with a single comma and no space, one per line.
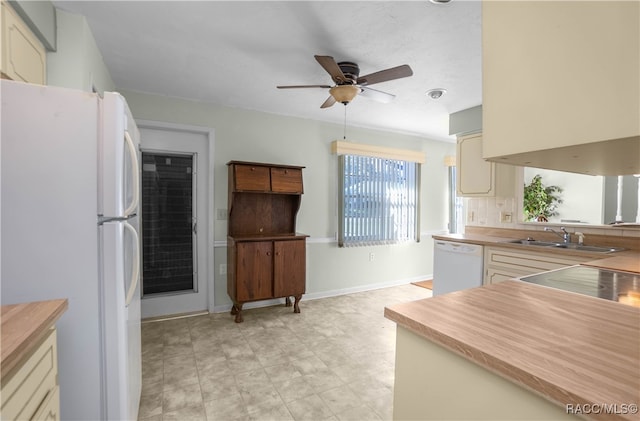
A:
596,282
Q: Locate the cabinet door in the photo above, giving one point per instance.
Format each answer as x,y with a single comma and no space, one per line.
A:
286,180
23,56
499,274
252,178
475,175
26,390
254,270
50,408
289,268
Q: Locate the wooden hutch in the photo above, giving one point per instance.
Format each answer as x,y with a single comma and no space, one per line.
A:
266,258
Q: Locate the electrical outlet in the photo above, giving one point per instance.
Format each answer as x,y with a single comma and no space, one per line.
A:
223,269
371,257
505,217
221,214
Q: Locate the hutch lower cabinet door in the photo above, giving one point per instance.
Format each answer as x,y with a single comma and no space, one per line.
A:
254,268
266,269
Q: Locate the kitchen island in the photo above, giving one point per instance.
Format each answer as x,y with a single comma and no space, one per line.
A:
513,350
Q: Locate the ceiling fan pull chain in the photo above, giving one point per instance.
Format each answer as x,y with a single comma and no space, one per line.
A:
344,136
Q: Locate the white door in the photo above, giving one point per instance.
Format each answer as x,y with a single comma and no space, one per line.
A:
175,193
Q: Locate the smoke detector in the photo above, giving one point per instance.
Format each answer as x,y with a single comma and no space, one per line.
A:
436,93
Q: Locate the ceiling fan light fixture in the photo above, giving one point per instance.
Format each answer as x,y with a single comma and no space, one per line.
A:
436,93
440,1
344,93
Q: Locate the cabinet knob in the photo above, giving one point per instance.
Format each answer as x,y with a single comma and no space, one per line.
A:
277,253
253,168
286,171
268,253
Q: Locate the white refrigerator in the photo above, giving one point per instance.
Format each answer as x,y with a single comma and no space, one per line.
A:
69,177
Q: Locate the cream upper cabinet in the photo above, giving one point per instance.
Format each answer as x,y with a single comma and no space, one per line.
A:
23,56
561,86
477,177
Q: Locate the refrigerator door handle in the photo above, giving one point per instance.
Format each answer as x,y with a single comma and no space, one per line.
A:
135,275
135,169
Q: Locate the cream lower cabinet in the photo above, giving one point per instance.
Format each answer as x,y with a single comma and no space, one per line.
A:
435,383
23,57
31,391
501,264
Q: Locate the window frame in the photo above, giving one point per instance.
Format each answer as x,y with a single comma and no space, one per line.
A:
382,212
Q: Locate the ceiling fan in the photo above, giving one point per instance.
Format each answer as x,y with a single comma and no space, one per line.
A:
349,83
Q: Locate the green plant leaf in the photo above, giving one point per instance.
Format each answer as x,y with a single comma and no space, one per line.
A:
540,200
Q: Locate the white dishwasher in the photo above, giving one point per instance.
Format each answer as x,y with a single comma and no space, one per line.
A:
456,266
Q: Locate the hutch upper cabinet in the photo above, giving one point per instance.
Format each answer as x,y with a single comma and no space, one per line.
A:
266,258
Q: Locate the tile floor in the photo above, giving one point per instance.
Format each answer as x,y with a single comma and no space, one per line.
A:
333,361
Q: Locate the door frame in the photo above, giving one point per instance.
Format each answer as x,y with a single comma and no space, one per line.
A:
209,133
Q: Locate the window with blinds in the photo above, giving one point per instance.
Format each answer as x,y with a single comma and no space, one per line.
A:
378,202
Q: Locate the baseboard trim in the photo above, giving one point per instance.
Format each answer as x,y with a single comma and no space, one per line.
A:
326,294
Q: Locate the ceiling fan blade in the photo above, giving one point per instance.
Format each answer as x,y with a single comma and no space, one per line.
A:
330,65
385,75
329,102
303,86
376,95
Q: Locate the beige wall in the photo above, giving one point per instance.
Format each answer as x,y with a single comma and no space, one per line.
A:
262,137
255,136
77,63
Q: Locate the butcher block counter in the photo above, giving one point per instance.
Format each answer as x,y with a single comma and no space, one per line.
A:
514,350
29,360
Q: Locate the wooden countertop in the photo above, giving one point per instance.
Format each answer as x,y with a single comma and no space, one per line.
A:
627,263
627,260
568,348
23,325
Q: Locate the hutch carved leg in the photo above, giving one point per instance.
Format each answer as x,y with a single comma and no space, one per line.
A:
287,301
296,308
237,311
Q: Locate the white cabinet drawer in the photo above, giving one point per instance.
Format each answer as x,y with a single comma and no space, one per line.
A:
50,409
498,274
528,262
25,391
502,264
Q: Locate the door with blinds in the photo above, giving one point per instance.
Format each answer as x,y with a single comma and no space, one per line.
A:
169,224
174,224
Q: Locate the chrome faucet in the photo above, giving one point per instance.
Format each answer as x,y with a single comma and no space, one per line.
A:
566,237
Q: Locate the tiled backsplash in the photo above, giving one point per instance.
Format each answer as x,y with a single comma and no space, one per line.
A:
491,211
503,213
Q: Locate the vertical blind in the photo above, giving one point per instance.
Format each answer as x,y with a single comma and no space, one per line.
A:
378,201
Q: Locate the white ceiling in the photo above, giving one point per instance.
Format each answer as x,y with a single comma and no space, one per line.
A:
234,53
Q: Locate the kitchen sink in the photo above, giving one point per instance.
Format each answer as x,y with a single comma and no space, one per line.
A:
572,246
596,249
532,242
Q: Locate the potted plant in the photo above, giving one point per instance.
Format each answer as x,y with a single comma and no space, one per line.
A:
540,201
